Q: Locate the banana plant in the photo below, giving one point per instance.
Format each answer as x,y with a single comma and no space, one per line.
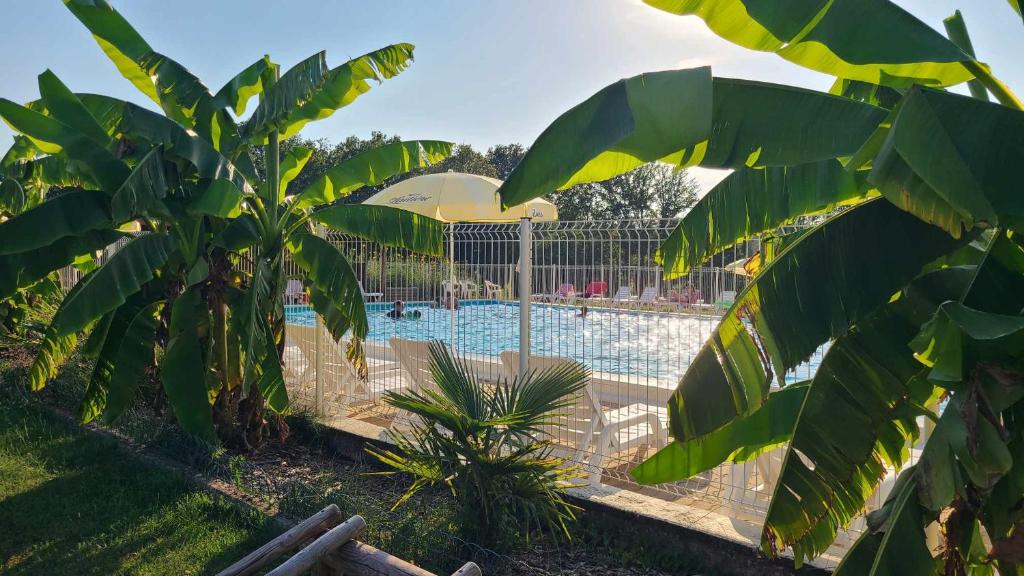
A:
199,292
912,281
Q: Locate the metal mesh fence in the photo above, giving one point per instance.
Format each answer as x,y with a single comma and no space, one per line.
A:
597,297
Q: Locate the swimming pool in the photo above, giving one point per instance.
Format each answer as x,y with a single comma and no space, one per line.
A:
623,342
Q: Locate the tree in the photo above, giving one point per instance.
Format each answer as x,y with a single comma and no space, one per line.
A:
504,158
203,285
915,280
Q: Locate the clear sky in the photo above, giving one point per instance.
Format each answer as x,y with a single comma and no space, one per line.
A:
485,72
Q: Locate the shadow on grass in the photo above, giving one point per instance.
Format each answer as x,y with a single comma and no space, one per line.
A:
72,503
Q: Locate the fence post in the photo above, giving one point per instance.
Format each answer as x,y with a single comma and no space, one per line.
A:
525,287
318,356
451,285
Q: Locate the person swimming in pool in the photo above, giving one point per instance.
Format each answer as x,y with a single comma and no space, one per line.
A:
398,311
583,312
414,315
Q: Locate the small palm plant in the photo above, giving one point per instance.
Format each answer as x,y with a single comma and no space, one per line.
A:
487,443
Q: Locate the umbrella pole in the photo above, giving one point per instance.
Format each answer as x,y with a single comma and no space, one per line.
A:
451,282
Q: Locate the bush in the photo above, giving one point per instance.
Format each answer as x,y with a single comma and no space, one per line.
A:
486,443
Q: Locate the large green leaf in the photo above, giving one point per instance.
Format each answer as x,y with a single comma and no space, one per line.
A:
952,160
873,41
894,544
386,225
178,92
121,43
371,168
219,198
347,82
26,268
769,426
143,190
291,166
55,346
137,122
246,84
134,355
688,118
183,369
108,340
270,378
251,320
859,415
239,234
330,273
70,214
53,136
751,201
810,293
292,89
136,263
64,106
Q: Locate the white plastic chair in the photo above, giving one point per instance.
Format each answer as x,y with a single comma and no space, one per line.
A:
492,291
294,293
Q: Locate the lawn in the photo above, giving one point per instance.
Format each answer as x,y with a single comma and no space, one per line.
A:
75,503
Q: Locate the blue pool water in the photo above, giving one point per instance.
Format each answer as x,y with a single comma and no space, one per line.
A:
620,342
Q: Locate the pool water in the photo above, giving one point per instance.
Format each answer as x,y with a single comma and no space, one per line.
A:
623,342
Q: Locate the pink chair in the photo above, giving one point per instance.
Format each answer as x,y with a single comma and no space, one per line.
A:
596,289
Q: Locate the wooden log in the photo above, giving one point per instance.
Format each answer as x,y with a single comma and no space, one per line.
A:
360,559
298,535
313,554
468,569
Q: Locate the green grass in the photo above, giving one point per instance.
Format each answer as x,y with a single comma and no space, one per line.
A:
75,503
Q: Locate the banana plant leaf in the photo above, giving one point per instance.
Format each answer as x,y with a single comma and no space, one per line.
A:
370,168
106,339
344,84
952,160
143,190
70,214
292,89
56,345
330,273
24,269
155,129
132,266
291,166
251,320
788,311
183,369
958,337
218,198
21,150
64,106
1015,4
859,414
119,41
239,234
246,84
133,356
894,544
769,426
386,225
53,136
872,41
270,378
169,84
751,201
688,118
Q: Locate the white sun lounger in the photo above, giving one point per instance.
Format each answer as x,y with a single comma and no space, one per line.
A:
590,425
339,376
369,296
648,297
623,294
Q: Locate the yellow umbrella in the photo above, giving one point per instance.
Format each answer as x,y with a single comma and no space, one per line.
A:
458,197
